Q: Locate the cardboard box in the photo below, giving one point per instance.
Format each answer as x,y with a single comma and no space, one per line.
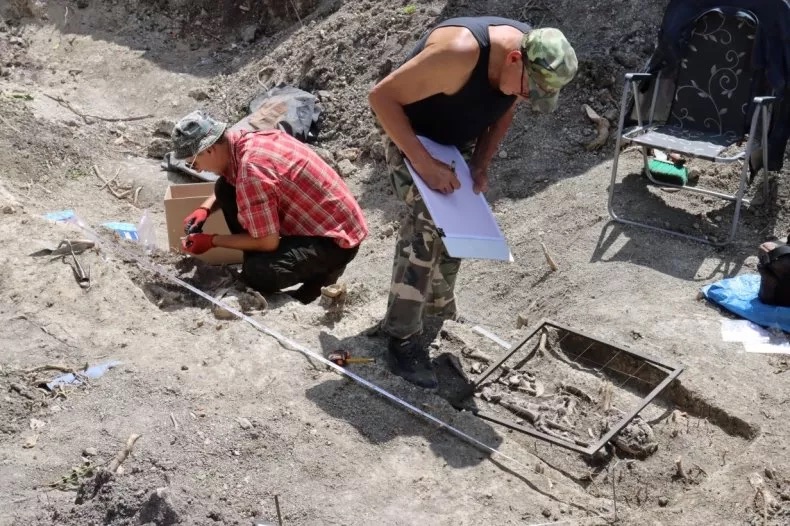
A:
180,201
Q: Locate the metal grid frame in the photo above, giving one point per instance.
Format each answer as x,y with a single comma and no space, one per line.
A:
672,372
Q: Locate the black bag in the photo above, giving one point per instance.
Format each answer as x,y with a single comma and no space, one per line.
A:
774,269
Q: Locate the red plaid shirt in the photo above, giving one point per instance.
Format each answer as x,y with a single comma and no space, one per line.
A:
283,187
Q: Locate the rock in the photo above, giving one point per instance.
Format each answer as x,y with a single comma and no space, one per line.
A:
387,231
546,512
326,155
158,147
158,509
628,60
663,501
346,168
244,423
184,367
249,33
502,154
352,154
611,115
223,314
376,151
164,127
324,95
198,94
9,209
522,320
89,452
82,4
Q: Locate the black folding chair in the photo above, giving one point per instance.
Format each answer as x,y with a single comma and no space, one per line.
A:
710,110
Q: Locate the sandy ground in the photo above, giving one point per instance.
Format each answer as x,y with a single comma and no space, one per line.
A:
228,418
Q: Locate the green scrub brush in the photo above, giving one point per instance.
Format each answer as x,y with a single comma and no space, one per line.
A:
668,172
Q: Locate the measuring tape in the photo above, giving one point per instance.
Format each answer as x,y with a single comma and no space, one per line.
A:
143,262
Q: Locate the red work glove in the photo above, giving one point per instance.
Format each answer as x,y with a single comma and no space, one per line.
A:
193,223
198,243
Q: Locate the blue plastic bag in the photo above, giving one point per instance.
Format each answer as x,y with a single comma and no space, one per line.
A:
739,295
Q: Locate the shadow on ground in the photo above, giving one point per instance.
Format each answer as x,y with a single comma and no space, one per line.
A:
349,401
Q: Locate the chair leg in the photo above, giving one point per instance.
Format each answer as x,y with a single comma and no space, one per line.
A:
739,199
766,173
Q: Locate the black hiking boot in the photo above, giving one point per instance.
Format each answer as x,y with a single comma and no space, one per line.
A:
410,361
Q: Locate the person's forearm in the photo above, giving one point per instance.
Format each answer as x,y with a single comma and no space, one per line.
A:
393,119
488,143
247,242
210,203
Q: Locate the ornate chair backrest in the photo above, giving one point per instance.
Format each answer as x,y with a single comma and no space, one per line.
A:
714,83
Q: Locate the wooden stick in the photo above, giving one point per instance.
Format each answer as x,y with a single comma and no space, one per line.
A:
601,126
123,453
681,473
549,259
107,183
85,117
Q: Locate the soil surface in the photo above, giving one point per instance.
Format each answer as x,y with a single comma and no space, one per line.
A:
228,420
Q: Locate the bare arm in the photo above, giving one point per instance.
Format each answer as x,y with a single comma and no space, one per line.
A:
443,66
210,203
247,242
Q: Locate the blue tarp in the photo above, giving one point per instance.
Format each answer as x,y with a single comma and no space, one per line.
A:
739,296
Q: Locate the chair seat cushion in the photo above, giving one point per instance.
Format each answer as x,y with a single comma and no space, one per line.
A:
690,142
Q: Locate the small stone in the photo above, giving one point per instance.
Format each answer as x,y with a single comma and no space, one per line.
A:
546,512
663,501
346,168
223,314
502,154
352,154
184,367
198,94
89,452
324,95
249,33
9,210
522,320
387,231
611,115
164,127
244,423
327,156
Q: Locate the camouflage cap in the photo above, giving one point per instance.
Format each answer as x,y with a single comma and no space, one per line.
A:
550,64
194,133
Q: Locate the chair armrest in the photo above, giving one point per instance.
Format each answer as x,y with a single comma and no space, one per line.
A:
633,77
764,100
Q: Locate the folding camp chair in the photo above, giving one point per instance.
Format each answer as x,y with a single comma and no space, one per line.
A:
709,109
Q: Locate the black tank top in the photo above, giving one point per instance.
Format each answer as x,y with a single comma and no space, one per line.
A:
460,118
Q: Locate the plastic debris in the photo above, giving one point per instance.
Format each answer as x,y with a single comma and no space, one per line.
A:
124,230
91,373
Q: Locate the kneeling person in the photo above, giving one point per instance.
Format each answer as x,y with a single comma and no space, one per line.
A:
291,214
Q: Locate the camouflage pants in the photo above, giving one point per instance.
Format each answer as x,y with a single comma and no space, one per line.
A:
423,273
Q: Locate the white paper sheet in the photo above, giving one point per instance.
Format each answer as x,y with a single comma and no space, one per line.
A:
755,339
465,219
743,331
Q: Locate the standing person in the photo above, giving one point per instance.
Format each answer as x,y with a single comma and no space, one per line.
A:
459,86
291,214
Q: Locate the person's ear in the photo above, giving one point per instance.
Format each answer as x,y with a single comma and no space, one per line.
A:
514,56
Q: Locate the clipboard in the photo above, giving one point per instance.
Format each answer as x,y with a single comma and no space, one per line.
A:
463,218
